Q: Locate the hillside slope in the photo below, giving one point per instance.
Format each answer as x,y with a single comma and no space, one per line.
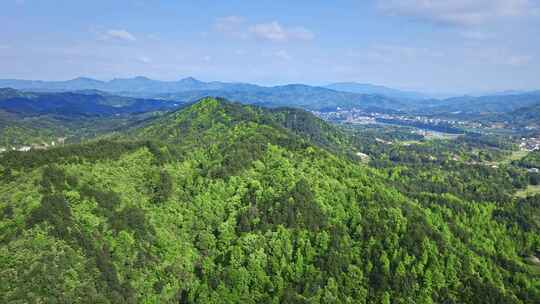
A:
76,104
33,118
217,116
485,104
237,204
523,117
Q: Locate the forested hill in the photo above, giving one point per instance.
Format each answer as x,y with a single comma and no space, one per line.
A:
76,104
490,104
526,116
210,120
227,203
34,118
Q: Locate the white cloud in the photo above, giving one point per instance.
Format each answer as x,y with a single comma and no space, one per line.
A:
477,35
240,52
228,23
275,32
283,55
232,26
271,31
457,12
401,54
495,56
235,26
518,60
154,37
144,59
117,34
301,33
388,53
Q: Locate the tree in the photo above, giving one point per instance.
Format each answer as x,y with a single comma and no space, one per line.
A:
162,190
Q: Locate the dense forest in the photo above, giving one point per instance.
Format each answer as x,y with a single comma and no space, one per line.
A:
227,203
532,160
40,118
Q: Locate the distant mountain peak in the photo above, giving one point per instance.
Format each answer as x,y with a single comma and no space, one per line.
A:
190,80
11,93
136,78
142,78
8,90
85,78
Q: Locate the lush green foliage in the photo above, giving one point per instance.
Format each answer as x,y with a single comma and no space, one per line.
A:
467,166
37,118
532,160
237,204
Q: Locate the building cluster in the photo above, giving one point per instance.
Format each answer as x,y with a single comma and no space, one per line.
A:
358,116
42,146
530,144
429,134
354,116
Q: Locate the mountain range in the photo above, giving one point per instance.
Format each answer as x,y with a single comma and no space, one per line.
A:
137,84
320,98
190,89
141,85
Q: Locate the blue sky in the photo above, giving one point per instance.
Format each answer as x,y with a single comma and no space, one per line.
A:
435,46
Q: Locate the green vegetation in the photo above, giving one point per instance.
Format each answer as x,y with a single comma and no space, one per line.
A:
40,118
531,190
226,203
531,160
516,155
525,116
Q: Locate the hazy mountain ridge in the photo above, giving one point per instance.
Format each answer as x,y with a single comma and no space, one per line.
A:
137,84
296,95
528,116
190,89
370,89
486,104
73,103
32,118
344,95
